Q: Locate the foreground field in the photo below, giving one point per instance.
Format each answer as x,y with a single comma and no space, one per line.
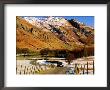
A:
78,66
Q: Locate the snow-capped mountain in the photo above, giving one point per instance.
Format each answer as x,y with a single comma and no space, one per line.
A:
34,21
52,32
46,22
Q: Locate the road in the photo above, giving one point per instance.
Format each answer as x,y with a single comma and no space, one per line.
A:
56,70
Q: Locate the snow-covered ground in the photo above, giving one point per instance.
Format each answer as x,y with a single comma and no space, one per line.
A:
34,66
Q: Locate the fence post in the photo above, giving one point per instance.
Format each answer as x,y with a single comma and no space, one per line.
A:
83,69
75,68
93,66
24,71
75,65
87,67
20,72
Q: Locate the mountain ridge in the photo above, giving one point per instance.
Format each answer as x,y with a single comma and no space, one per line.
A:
37,35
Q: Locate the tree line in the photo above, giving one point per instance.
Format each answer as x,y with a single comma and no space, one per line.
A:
86,51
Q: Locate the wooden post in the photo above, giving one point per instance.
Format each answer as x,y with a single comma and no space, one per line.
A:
83,69
20,72
16,69
75,65
75,68
87,67
24,71
93,66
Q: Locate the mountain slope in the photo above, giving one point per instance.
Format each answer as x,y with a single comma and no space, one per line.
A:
35,39
52,33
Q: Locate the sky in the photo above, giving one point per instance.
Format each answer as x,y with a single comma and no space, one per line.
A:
87,20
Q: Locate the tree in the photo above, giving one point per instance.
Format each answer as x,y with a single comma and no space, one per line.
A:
70,57
44,52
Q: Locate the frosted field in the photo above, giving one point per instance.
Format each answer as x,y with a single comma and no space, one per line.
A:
37,66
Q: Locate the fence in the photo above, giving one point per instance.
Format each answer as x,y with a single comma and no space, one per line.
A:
32,69
84,68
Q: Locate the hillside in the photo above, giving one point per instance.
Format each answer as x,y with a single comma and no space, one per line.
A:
35,39
34,34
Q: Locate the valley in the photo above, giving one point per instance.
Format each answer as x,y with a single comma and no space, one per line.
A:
56,43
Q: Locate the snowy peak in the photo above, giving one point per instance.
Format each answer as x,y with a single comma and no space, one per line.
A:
54,21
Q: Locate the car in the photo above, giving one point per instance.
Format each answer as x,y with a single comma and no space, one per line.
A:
56,63
59,64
